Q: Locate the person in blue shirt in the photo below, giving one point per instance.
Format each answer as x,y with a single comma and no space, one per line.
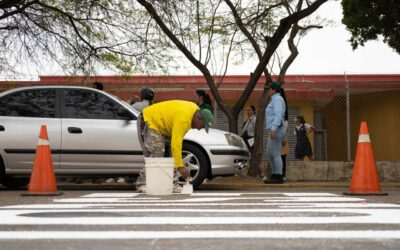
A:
275,114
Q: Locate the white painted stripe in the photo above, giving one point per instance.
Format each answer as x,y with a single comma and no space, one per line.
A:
221,199
244,193
183,210
281,205
105,235
112,195
308,194
364,138
361,216
43,142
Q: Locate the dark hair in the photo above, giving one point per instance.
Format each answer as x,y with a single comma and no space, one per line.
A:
301,119
206,98
98,85
282,92
253,108
147,94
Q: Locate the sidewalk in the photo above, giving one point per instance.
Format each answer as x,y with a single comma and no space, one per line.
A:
247,182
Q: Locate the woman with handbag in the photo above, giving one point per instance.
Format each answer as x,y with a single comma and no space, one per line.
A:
249,126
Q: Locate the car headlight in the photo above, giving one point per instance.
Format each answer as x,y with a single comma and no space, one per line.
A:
234,140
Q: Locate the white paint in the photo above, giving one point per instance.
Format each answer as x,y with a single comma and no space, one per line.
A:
308,194
363,138
111,195
213,199
362,216
314,199
260,193
279,204
106,235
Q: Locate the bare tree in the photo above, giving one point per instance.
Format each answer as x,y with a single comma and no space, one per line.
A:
200,28
79,35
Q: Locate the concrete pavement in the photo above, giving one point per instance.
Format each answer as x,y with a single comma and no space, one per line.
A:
281,218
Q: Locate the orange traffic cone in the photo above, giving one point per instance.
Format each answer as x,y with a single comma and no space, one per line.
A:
43,179
365,180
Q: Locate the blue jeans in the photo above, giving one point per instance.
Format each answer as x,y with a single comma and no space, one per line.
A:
274,150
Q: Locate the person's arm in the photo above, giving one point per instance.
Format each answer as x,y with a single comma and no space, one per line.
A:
310,128
178,132
279,109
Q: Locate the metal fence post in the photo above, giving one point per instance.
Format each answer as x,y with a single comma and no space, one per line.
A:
348,118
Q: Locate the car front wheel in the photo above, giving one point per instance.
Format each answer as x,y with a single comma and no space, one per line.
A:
11,182
196,160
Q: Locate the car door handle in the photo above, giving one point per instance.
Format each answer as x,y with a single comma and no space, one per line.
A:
74,130
2,128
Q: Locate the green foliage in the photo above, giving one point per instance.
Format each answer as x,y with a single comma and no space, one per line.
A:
368,20
79,35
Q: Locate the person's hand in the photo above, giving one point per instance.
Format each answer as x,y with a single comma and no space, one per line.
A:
272,135
184,171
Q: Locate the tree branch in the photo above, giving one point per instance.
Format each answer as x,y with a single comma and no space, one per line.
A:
203,69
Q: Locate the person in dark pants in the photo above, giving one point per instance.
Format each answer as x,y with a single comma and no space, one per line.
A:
285,145
303,146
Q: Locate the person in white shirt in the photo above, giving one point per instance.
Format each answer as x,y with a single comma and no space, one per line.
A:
249,127
146,99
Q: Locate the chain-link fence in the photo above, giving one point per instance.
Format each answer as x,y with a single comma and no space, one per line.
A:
336,115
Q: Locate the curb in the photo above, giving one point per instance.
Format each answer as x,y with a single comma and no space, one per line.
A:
320,185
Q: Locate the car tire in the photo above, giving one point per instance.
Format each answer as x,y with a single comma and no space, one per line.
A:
201,159
11,182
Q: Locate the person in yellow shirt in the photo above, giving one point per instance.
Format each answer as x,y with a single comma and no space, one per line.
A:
169,119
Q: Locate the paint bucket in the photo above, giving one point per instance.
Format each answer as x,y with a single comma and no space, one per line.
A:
159,176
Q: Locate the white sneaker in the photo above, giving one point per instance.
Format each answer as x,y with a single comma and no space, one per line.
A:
110,180
177,188
121,180
141,189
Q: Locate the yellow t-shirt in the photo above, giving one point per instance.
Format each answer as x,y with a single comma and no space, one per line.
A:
172,119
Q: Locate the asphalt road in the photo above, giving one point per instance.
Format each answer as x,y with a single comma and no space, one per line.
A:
209,219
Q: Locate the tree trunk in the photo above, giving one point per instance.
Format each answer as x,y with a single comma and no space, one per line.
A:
233,121
258,147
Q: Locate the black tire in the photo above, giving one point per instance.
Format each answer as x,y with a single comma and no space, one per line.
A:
11,182
199,156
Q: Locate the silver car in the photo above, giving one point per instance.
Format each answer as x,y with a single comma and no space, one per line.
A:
93,133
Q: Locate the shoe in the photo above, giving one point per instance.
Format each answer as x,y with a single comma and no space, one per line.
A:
141,189
275,179
110,180
121,180
177,188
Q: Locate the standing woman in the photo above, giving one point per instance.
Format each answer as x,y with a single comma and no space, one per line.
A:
203,100
303,145
285,145
275,114
249,127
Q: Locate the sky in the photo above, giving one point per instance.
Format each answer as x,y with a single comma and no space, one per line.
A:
322,51
327,51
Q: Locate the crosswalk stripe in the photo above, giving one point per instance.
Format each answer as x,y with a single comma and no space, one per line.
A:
103,235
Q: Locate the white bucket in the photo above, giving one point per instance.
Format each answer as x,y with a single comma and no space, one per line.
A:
159,176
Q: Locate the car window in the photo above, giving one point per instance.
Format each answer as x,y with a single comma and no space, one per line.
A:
29,103
86,104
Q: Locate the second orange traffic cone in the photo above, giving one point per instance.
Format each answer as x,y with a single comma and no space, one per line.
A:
365,179
43,179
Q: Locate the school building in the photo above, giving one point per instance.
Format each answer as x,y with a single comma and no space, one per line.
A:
334,104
